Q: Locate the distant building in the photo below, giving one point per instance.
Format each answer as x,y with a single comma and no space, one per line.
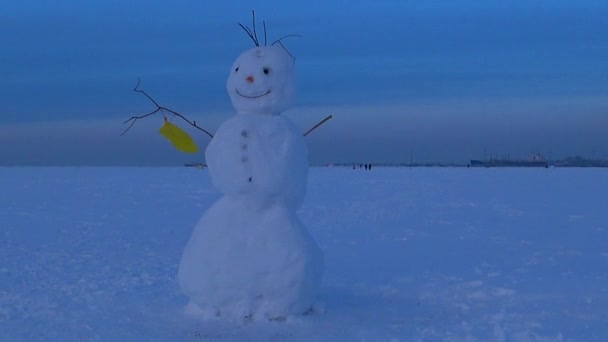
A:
534,160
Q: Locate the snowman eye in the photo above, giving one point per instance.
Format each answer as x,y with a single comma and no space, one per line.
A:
266,71
236,70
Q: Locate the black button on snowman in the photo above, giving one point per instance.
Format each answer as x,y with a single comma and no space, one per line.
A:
245,157
249,255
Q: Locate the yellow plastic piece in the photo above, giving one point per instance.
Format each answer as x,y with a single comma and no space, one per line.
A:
178,137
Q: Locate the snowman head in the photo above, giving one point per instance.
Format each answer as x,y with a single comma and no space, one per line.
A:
262,81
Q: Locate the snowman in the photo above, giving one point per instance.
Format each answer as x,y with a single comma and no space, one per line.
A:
249,255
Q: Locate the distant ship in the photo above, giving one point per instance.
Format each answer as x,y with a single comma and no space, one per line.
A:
579,161
535,160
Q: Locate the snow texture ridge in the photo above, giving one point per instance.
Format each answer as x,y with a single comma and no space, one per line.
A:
411,254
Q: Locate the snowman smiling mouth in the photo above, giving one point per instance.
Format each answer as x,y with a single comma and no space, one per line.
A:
252,97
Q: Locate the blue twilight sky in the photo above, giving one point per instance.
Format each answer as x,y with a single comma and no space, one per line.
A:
446,80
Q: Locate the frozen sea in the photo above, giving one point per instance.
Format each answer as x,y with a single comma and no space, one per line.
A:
428,254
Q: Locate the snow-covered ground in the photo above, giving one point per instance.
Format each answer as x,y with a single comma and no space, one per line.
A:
411,254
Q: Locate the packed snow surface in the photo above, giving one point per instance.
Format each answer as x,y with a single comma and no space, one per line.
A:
411,254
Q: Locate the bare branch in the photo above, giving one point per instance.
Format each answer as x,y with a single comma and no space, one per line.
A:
265,39
135,118
286,36
249,33
255,34
159,108
136,89
289,53
283,46
318,124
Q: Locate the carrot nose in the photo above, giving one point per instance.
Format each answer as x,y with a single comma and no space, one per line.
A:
250,79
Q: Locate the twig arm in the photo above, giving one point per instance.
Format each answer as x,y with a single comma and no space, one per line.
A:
318,124
159,108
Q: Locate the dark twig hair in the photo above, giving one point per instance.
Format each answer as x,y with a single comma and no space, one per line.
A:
286,36
265,40
255,34
289,53
283,46
252,34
